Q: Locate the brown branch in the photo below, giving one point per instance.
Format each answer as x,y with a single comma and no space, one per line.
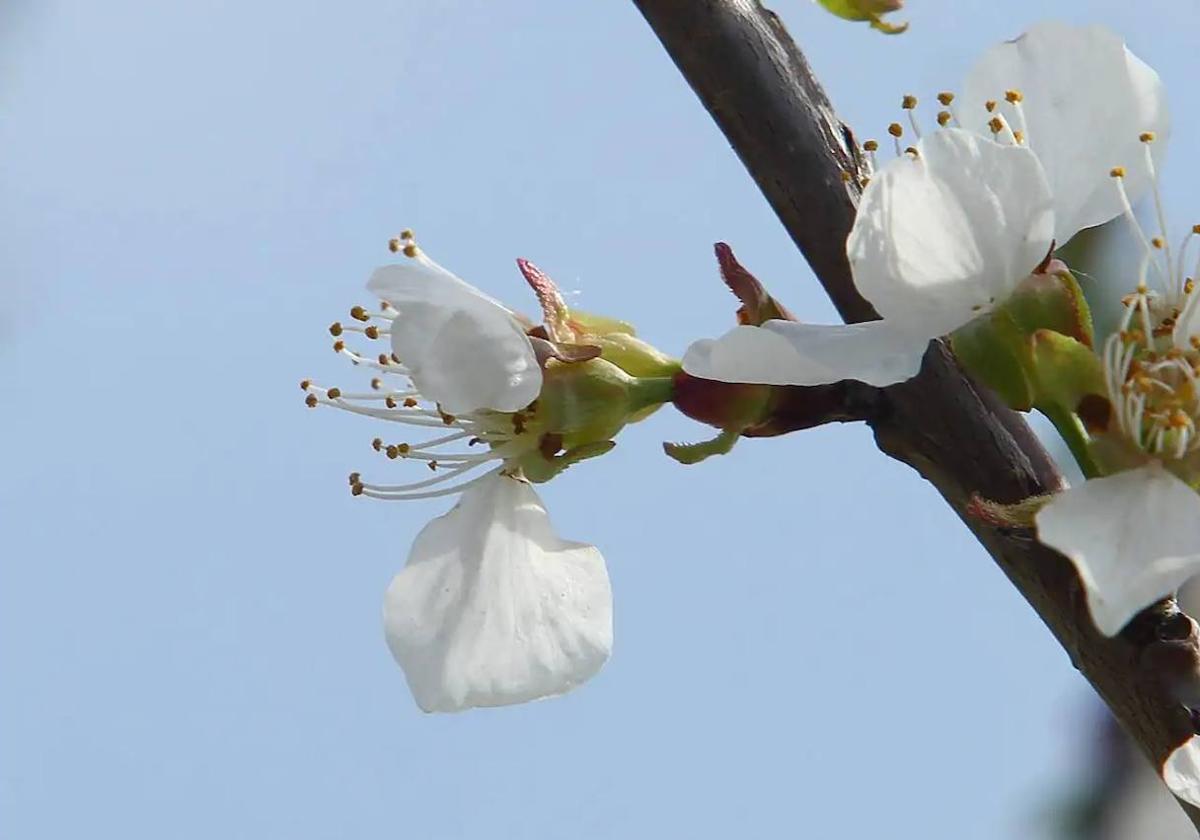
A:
758,87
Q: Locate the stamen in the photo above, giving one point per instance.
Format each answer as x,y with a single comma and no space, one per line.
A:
1015,98
375,491
897,131
1118,175
1147,139
909,104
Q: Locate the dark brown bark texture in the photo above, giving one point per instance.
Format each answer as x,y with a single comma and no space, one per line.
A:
758,87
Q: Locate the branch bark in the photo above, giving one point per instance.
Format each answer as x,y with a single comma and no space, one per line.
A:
758,87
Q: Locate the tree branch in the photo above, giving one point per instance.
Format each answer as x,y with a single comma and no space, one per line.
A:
758,87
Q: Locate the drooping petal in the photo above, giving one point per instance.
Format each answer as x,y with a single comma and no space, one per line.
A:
788,353
493,608
1134,537
1086,100
1181,771
464,350
941,237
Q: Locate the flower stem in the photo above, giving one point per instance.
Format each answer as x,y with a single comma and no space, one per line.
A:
1071,430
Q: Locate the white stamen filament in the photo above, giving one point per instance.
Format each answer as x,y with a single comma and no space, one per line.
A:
382,492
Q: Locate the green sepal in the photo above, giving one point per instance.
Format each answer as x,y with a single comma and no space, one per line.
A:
997,352
1051,302
1065,370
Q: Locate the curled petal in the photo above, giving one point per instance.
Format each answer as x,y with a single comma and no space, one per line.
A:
1134,537
1085,101
493,608
464,350
943,236
788,353
1181,771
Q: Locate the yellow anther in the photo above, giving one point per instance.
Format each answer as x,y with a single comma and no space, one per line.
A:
896,130
376,383
410,250
1157,242
355,478
335,329
1142,288
377,444
339,346
1180,420
311,401
945,97
410,403
392,452
1013,96
334,393
390,402
912,150
1195,342
356,489
846,177
359,314
944,117
305,384
1117,172
873,145
407,234
403,448
863,183
996,125
394,245
1019,136
372,331
990,105
1189,286
908,102
1147,136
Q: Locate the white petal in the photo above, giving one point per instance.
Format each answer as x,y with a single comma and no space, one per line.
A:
493,608
788,353
464,350
1134,537
1086,101
940,238
1181,771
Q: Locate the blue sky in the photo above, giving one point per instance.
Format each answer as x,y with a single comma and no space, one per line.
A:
808,641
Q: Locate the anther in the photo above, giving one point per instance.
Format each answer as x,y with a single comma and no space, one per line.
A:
311,401
410,402
356,489
1157,242
846,177
908,102
384,360
305,384
335,329
943,118
1147,136
377,444
372,331
355,478
990,105
334,393
945,97
359,314
1117,172
433,465
912,150
390,402
392,452
1019,136
996,125
1189,286
873,145
339,346
376,383
410,250
394,244
407,233
896,130
1013,96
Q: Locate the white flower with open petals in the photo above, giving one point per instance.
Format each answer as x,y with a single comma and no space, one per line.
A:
493,608
950,227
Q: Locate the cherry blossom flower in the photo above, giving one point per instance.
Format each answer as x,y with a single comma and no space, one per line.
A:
492,606
948,229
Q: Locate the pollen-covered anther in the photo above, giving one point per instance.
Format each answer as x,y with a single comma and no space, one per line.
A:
433,465
996,125
908,102
873,145
305,384
392,451
990,105
371,331
390,402
943,118
912,150
339,346
335,329
410,402
359,314
1189,286
311,401
945,97
1117,172
334,393
1158,242
1013,96
896,130
1019,136
355,478
1147,137
377,444
376,383
356,488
